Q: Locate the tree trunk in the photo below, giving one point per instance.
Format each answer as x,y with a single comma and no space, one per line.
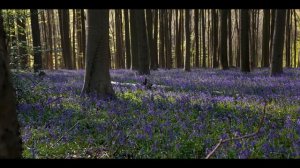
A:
278,38
230,55
196,24
215,38
74,40
64,22
35,29
295,37
266,39
149,19
127,39
288,39
223,40
168,49
119,39
134,42
143,50
97,79
10,140
162,39
245,23
83,36
203,39
22,41
187,62
178,52
155,52
50,36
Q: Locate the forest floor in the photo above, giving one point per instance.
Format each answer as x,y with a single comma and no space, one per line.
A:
185,119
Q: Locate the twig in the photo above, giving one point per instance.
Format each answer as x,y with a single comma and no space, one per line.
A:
67,132
222,141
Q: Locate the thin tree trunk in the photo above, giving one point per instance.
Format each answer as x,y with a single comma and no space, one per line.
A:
35,29
266,39
244,34
127,39
288,39
187,62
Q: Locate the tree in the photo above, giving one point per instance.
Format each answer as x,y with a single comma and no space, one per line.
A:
162,46
245,22
22,41
223,40
278,38
35,29
127,39
203,38
97,79
266,39
230,56
119,40
64,22
143,50
288,39
154,59
10,141
187,60
196,24
134,42
215,38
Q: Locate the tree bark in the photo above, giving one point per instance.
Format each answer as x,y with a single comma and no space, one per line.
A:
10,140
245,23
278,38
223,40
35,29
266,39
187,61
97,79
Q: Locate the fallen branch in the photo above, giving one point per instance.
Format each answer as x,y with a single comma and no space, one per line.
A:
222,141
67,132
137,84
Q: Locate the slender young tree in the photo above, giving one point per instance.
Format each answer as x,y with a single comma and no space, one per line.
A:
187,60
215,37
162,43
97,79
127,39
154,60
22,41
203,39
245,22
278,38
196,24
10,140
230,55
119,39
288,39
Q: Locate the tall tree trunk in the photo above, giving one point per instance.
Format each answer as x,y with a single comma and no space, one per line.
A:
162,39
83,36
50,41
215,38
155,47
266,39
127,39
35,29
142,42
134,42
178,53
196,24
238,48
203,39
22,41
74,40
64,22
230,55
168,49
44,39
10,140
97,79
245,23
295,37
119,39
278,38
187,61
223,40
288,39
149,19
272,32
